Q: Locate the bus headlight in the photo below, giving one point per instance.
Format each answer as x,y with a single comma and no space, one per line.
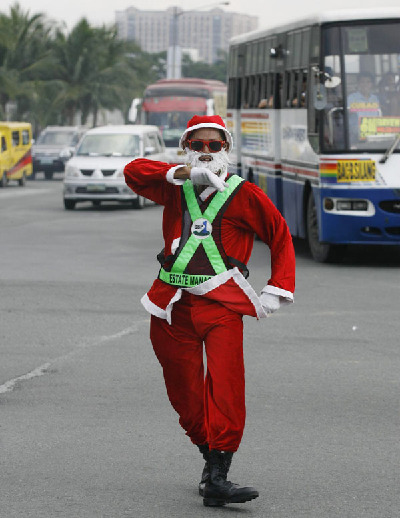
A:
353,206
329,204
343,205
360,205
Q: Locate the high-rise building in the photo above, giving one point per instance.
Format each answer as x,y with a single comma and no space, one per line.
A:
205,31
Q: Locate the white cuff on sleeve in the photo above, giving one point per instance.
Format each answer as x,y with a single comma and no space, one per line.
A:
286,297
170,176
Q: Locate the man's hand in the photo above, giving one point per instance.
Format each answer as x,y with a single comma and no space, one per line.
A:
270,302
203,176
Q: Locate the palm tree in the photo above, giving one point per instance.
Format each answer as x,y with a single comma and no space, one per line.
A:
53,76
24,56
110,81
94,71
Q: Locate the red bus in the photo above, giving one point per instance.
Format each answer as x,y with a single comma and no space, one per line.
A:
170,103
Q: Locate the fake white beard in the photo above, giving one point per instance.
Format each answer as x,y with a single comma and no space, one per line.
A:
218,165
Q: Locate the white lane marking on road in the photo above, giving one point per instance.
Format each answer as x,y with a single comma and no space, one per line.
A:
17,194
9,385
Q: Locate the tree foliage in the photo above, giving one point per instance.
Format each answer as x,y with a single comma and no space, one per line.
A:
217,70
51,76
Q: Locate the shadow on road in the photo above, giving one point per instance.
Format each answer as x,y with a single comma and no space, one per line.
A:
357,255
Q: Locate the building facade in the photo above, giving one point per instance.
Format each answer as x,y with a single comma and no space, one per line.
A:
207,32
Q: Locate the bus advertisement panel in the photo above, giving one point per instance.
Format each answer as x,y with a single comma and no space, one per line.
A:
328,150
170,103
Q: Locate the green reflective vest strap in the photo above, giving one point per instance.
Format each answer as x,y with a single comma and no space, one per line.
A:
176,275
216,203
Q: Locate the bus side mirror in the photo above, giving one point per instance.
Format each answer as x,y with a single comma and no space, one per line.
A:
133,110
328,80
319,96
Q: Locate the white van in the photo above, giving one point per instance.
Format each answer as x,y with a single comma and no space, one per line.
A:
95,172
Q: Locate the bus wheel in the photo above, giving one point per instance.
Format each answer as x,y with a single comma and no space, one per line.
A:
48,175
138,203
321,252
69,204
22,180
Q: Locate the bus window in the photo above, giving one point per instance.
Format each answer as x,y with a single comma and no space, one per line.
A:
370,52
389,95
300,90
313,114
289,89
25,137
15,138
279,92
290,50
297,50
333,113
305,48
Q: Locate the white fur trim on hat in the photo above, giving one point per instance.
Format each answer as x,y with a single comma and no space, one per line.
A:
228,136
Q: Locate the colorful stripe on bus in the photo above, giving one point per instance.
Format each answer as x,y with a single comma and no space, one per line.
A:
22,162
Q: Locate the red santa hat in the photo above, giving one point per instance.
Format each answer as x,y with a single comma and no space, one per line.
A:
206,121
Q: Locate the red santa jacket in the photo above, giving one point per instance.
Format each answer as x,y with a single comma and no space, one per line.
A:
250,212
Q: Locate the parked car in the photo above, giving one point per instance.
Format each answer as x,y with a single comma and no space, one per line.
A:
54,147
95,172
15,152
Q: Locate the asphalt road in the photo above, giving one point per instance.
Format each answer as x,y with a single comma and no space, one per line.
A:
86,429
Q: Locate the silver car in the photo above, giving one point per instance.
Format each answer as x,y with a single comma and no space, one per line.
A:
95,172
54,147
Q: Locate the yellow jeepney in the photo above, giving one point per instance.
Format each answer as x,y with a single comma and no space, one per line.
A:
15,152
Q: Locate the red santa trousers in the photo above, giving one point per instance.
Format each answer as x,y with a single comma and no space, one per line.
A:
211,408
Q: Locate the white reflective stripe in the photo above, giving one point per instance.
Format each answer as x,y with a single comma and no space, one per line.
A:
222,278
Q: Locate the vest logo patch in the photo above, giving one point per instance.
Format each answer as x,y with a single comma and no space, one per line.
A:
201,228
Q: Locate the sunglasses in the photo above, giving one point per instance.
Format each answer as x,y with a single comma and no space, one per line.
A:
213,145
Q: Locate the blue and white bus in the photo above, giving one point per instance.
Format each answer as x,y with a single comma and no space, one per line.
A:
314,107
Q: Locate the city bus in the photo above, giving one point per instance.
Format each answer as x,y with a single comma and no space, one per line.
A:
170,103
314,108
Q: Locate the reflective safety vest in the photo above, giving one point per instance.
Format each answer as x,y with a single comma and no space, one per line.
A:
200,254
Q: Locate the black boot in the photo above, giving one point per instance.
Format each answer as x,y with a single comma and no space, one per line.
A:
205,476
219,491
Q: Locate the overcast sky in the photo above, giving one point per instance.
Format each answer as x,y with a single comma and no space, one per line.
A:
103,11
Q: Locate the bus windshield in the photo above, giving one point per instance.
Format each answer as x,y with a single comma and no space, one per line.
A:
363,111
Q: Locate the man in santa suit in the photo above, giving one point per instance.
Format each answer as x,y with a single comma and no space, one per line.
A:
201,293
